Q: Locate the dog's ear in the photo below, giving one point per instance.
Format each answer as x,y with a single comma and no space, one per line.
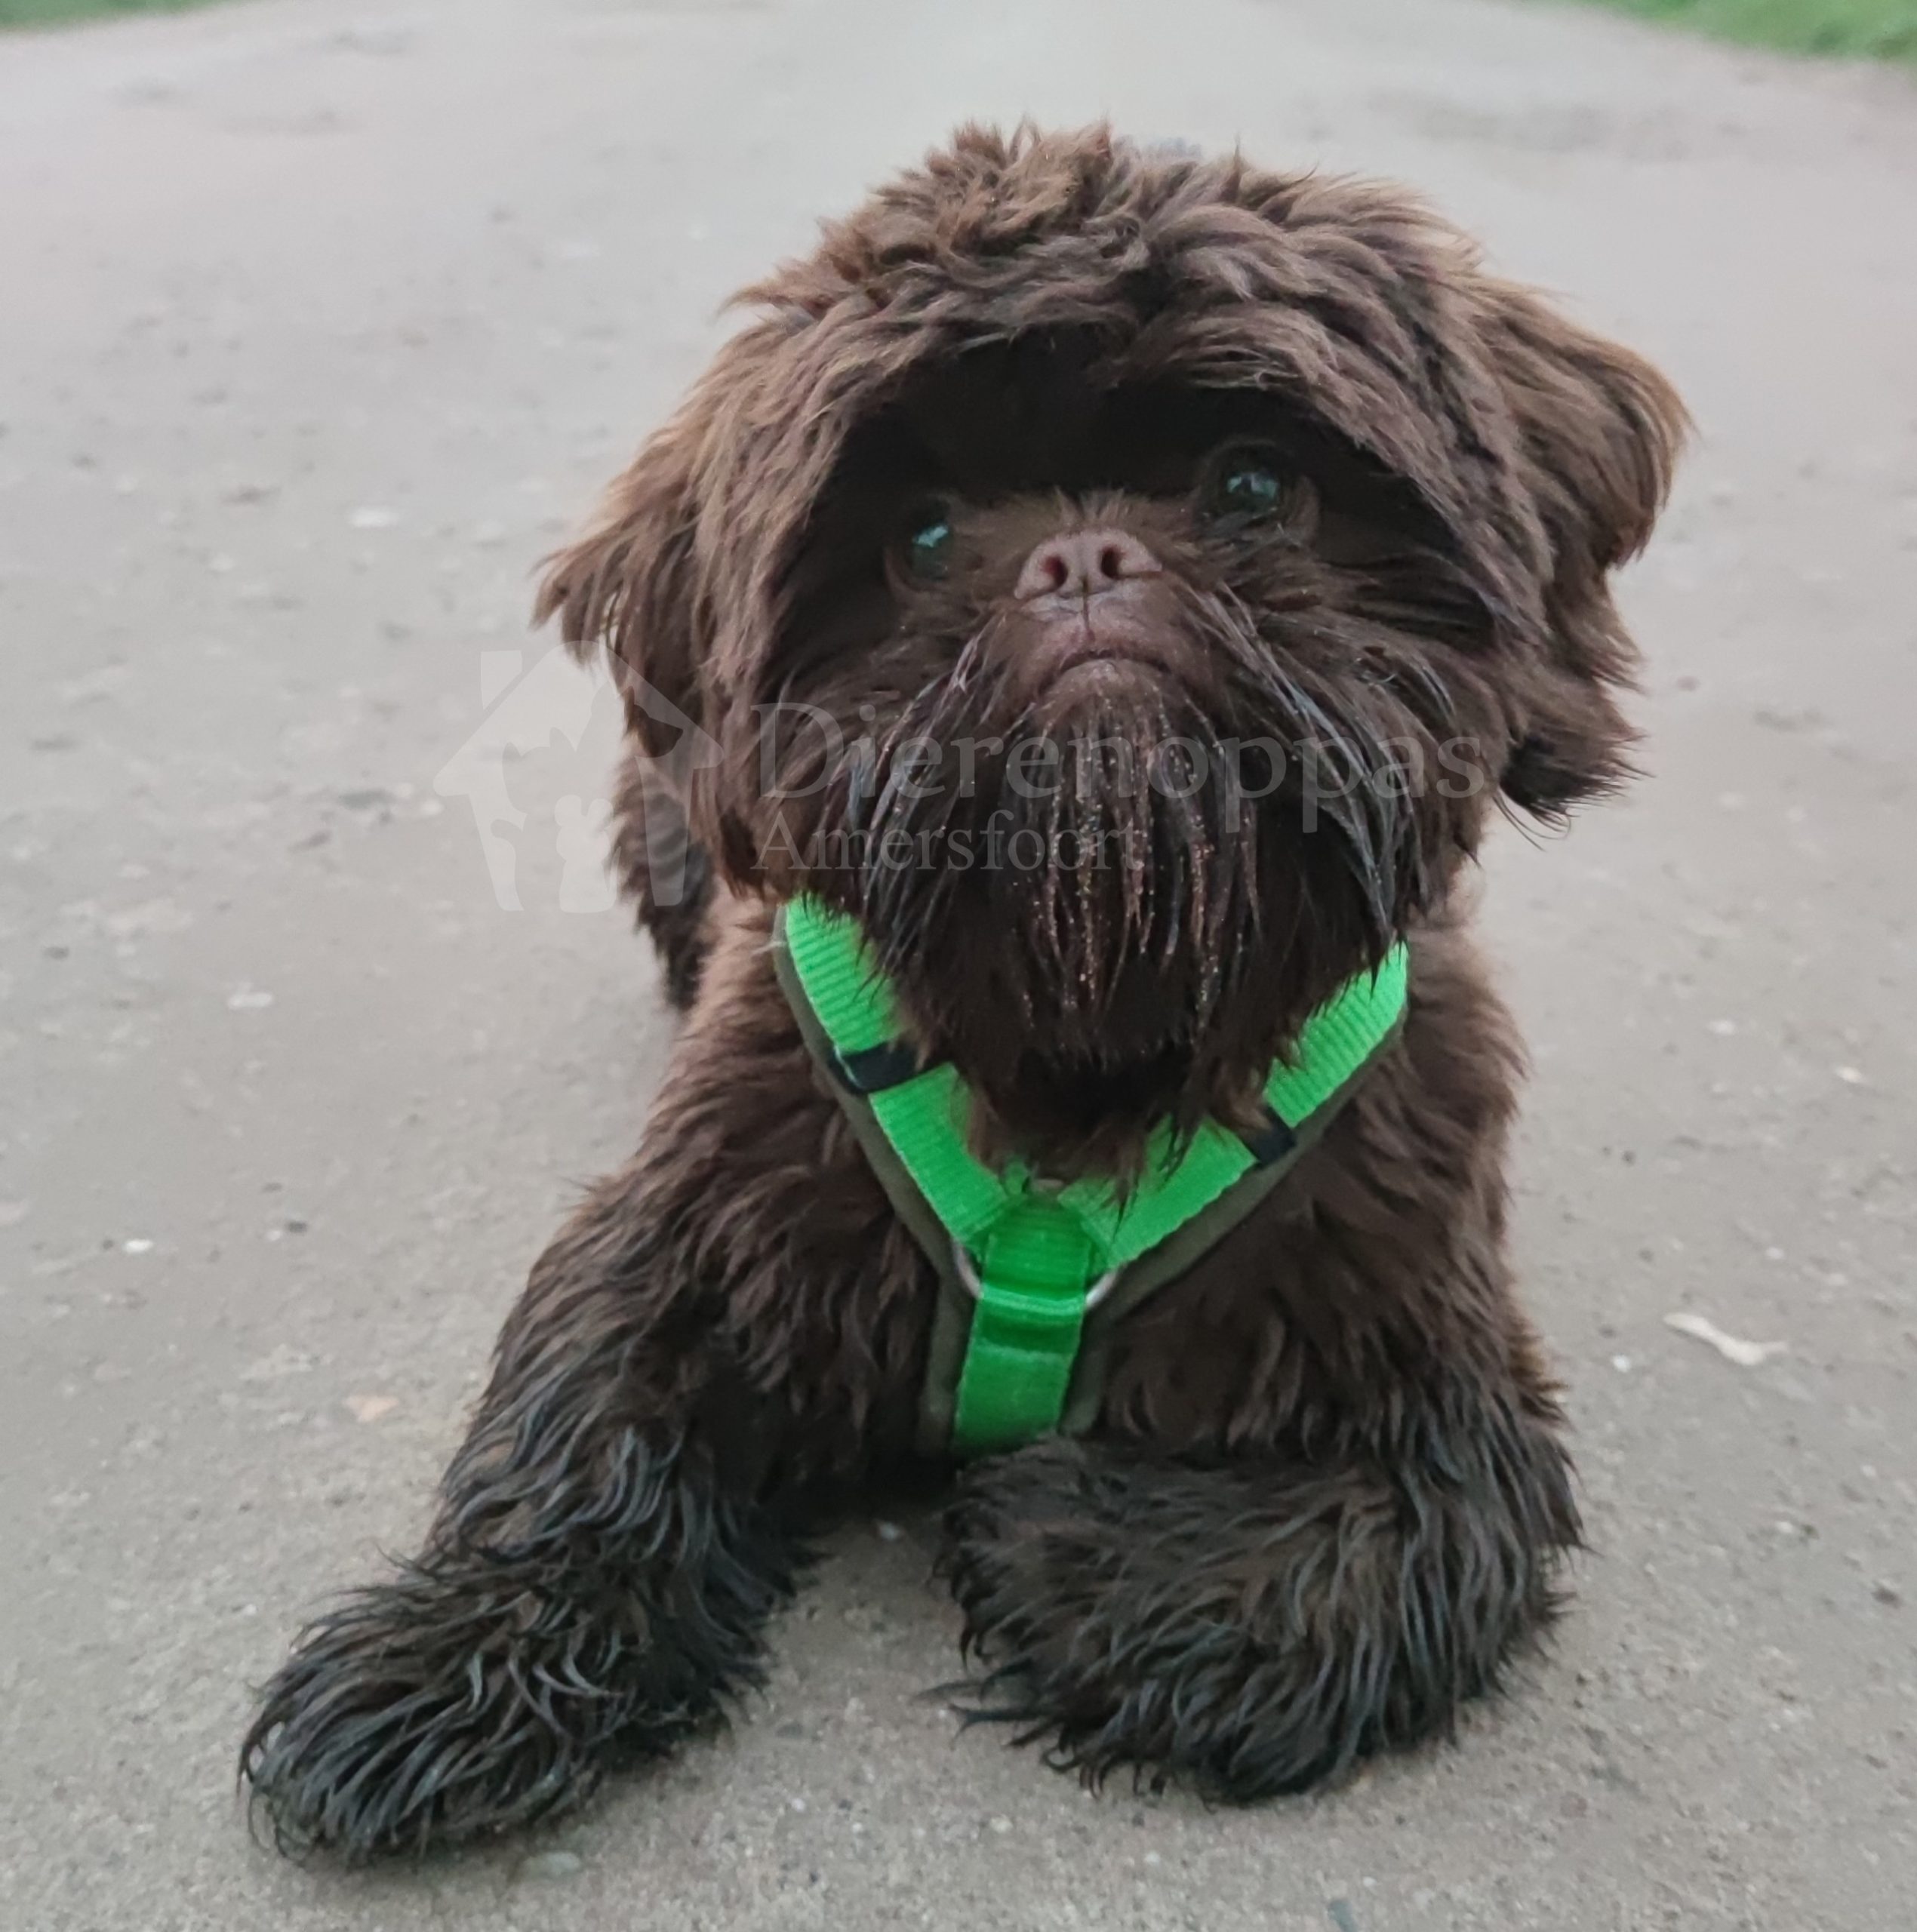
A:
1600,432
631,585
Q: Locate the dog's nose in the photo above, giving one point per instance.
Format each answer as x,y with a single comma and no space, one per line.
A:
1081,563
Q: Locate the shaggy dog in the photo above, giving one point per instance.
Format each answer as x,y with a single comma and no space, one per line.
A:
1056,440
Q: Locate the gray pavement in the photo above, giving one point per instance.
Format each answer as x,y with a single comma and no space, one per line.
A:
319,327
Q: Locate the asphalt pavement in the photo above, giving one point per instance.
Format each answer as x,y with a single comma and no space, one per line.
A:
320,326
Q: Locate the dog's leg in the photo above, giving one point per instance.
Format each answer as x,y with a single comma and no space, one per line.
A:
710,1345
598,1573
1258,1625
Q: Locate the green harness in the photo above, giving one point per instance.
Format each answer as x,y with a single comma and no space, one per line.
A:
1036,1273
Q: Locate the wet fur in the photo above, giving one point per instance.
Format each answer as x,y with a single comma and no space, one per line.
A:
1327,1500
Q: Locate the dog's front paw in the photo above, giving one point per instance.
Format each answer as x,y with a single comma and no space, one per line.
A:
1256,1631
438,1707
1083,1622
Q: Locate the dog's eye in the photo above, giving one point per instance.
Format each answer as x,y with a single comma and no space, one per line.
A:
928,542
1246,486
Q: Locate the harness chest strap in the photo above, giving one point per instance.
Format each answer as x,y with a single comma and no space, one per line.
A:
1035,1272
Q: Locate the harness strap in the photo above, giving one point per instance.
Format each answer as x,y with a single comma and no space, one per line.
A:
1035,1257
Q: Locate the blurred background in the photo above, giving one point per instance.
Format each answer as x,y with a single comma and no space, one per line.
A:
321,325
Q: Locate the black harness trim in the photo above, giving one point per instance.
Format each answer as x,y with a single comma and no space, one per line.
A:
876,1068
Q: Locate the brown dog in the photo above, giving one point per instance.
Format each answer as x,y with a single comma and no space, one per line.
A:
1149,461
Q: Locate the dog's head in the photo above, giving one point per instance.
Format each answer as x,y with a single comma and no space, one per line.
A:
1127,582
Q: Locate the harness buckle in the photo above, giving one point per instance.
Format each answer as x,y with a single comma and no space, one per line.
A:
974,1285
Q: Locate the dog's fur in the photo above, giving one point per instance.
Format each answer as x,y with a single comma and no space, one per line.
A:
1326,1499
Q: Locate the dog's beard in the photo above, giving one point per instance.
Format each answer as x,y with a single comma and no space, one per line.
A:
1130,927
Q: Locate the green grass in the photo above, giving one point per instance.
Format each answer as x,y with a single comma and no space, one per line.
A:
60,13
1862,29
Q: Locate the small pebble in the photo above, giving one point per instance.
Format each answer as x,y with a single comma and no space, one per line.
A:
137,1246
543,1865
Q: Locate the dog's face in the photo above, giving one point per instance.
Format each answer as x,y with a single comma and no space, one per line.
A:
1128,584
1128,708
